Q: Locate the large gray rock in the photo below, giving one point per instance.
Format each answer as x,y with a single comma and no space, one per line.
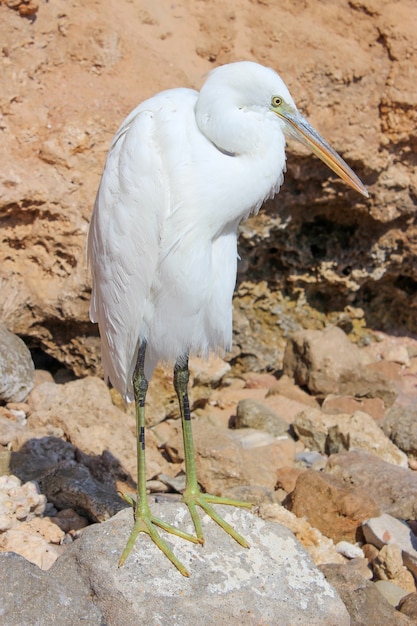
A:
17,370
274,582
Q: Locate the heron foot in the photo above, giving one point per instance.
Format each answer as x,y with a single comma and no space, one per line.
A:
196,498
145,522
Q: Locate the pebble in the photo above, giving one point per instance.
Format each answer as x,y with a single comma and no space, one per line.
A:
349,550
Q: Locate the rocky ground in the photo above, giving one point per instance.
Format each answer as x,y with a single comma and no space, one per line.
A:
312,417
327,449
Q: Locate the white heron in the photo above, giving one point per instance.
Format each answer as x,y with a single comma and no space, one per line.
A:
184,168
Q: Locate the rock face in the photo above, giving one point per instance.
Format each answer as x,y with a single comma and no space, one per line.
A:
338,252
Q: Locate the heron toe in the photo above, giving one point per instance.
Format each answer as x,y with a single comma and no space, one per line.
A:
204,500
145,522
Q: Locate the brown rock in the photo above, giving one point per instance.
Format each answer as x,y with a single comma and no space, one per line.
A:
375,407
287,478
87,417
285,387
335,509
388,565
393,488
408,606
319,359
69,520
326,362
231,458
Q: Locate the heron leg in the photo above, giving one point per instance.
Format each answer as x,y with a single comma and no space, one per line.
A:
193,496
145,522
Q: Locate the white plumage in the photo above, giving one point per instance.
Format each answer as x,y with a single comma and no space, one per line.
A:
183,170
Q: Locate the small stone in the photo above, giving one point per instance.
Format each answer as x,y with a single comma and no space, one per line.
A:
208,371
349,550
361,566
310,459
334,404
9,431
400,425
68,520
370,551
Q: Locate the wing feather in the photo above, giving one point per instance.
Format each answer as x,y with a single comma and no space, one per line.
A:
124,241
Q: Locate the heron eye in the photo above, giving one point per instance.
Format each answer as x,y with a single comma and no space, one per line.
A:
276,101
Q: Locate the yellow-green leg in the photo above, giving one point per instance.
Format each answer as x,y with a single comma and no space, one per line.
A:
145,522
193,496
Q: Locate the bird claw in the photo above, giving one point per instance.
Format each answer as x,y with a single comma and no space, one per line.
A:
204,501
145,522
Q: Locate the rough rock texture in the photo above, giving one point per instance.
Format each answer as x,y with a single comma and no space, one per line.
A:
385,529
365,603
408,606
290,590
16,367
72,74
336,509
254,414
326,362
31,597
393,488
336,433
400,425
